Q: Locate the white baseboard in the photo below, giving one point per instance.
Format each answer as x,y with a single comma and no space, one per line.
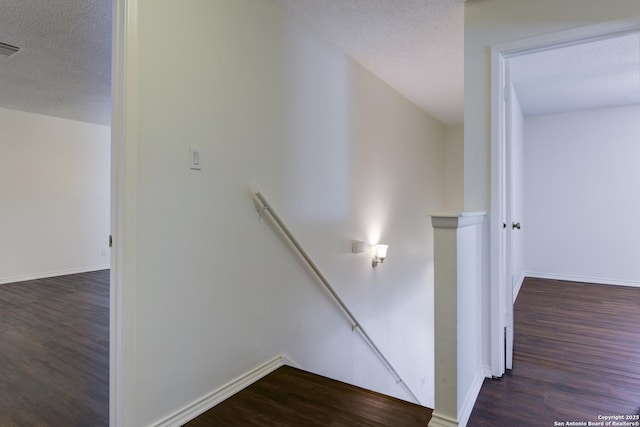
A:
585,279
25,277
486,370
439,420
516,291
470,399
215,397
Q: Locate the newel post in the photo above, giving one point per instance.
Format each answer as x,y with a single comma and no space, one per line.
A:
458,352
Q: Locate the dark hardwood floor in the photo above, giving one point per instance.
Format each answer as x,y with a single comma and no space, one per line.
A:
291,397
54,351
576,357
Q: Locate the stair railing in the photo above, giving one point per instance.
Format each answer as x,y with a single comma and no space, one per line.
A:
263,207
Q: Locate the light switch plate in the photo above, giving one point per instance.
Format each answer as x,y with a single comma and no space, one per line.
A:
196,158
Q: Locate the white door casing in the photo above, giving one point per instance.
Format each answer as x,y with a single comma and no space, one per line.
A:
122,340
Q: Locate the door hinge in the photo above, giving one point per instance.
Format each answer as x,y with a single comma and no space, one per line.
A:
505,347
110,241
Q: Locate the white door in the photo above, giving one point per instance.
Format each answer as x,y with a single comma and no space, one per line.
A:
507,184
513,209
508,220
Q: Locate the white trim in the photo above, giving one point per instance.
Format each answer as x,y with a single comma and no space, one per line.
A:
217,396
124,146
498,54
516,291
457,220
585,279
470,399
439,420
37,276
575,36
486,370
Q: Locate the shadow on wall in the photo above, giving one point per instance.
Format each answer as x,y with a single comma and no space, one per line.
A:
318,134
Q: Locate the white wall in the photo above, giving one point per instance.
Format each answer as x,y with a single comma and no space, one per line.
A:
341,157
454,169
54,190
582,180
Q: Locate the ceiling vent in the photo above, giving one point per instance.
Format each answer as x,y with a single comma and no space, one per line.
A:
7,50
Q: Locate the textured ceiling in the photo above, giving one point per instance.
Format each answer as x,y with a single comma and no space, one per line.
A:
415,46
64,66
600,74
63,69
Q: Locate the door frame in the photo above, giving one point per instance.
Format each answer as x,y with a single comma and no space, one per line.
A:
507,216
500,83
124,121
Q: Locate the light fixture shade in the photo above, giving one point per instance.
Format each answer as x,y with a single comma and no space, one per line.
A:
380,255
381,251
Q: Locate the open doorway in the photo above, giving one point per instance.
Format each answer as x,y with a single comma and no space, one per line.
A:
580,106
523,72
55,172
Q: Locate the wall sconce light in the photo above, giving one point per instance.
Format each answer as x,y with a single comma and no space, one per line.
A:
380,255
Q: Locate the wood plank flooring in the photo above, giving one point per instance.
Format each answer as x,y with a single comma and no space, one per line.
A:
291,397
576,356
54,351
